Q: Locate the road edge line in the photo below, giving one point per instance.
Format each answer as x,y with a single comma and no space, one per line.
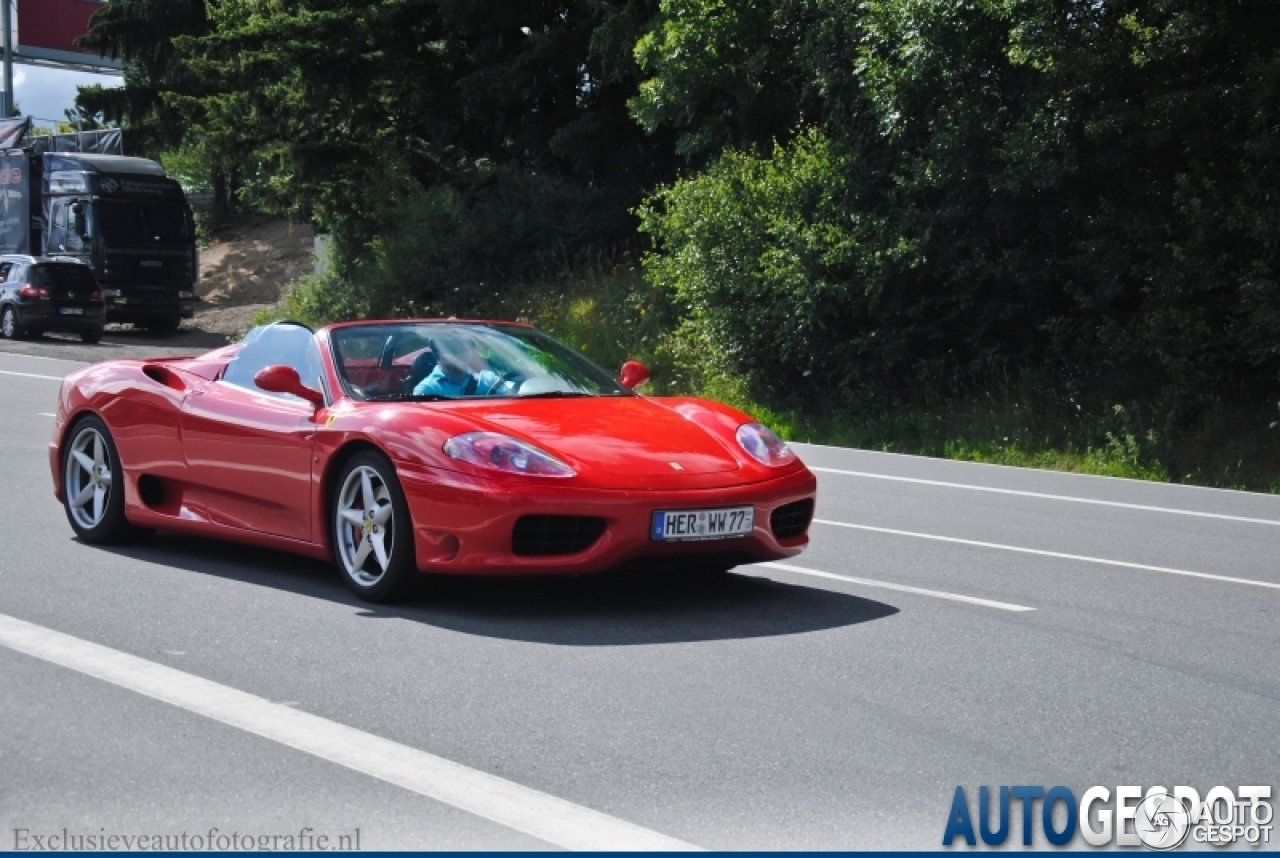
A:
903,588
538,814
1045,496
1058,554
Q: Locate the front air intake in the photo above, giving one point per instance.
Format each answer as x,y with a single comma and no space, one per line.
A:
543,535
791,520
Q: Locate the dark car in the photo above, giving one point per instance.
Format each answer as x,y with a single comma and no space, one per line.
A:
49,293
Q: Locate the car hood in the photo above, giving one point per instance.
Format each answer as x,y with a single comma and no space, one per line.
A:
621,437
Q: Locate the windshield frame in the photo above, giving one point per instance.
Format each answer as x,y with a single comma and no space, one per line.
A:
607,382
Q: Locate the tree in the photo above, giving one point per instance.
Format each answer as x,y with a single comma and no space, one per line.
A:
144,34
1076,189
405,92
725,73
141,33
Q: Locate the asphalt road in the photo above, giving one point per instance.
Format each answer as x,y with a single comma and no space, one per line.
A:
966,625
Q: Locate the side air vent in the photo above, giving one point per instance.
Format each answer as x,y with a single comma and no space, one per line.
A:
163,375
151,489
791,520
542,535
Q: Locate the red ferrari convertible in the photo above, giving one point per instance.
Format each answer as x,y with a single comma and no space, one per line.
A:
476,448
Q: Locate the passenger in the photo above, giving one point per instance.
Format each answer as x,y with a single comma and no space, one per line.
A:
459,371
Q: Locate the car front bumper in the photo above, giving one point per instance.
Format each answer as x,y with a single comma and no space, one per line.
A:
465,526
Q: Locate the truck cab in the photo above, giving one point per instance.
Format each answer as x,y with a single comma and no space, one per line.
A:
131,224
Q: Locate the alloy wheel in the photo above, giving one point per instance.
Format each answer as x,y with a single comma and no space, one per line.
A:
365,526
88,478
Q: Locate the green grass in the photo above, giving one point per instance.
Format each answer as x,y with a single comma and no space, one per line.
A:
1110,444
1003,434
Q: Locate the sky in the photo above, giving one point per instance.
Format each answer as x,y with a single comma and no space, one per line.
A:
46,93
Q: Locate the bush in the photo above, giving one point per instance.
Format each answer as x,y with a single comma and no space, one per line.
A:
468,248
610,313
764,260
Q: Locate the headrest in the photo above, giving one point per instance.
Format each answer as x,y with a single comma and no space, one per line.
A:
423,364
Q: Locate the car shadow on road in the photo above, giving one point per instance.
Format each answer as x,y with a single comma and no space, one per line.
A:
598,610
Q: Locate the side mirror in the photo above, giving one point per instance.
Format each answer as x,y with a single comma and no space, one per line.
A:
284,379
633,374
78,223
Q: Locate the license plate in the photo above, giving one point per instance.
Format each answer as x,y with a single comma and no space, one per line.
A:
700,524
72,311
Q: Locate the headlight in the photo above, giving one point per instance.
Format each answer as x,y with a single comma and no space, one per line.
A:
504,453
764,446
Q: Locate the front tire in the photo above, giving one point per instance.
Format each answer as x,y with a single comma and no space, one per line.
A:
372,531
93,485
91,336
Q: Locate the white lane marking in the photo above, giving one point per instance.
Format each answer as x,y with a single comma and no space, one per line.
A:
961,463
42,357
59,360
1068,498
45,414
867,582
1080,557
535,813
30,375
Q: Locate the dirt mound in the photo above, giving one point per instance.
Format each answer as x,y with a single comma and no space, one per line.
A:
244,268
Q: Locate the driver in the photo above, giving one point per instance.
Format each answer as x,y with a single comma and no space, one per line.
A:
459,371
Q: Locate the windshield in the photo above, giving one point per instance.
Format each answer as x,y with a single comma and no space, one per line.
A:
138,222
430,361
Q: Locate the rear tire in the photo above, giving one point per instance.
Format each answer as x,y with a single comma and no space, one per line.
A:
371,529
94,336
10,327
163,325
93,485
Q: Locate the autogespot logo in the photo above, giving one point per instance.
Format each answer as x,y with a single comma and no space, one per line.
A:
1158,819
1162,821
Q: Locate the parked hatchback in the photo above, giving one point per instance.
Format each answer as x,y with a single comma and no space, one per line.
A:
49,293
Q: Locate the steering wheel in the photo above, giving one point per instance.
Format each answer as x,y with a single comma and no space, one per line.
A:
508,383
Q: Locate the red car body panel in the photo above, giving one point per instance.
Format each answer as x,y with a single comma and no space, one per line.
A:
205,457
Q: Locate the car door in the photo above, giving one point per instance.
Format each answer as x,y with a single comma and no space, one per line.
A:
249,452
